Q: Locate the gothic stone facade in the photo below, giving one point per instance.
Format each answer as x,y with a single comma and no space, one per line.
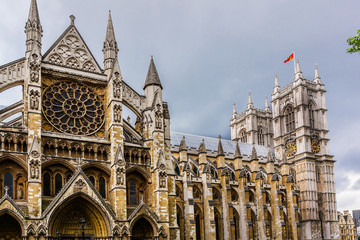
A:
71,156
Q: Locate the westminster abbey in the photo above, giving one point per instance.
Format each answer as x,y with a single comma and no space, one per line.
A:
71,167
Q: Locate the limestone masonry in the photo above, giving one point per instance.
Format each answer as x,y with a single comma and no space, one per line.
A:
71,158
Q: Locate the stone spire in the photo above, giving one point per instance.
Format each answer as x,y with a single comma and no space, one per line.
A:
152,77
202,148
220,151
33,28
298,73
110,48
183,146
254,153
237,151
276,85
250,103
267,108
317,78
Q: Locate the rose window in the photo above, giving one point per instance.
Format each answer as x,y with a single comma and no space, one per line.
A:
73,108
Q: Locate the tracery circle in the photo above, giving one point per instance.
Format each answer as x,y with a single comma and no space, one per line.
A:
73,108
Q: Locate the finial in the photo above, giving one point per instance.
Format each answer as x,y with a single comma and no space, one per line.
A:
237,150
72,19
202,148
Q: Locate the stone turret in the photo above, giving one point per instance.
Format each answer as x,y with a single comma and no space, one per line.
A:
33,28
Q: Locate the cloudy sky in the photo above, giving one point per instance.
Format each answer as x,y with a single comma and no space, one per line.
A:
210,53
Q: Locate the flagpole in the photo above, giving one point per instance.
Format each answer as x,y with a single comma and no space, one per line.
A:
294,63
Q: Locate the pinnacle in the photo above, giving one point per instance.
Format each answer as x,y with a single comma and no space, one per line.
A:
202,148
270,157
237,150
220,148
152,77
183,146
33,12
254,153
110,34
250,103
267,107
317,78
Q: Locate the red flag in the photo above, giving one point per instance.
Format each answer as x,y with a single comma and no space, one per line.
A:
289,58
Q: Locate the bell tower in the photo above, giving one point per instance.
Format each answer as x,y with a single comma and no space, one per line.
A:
301,140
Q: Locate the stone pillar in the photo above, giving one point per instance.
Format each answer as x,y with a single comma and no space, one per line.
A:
225,189
114,126
259,180
189,211
291,210
209,220
275,211
32,119
244,228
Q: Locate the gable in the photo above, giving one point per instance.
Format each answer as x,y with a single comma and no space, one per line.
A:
70,50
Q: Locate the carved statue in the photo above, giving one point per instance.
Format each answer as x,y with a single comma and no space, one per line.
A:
34,99
162,179
34,69
34,170
117,86
120,176
117,113
158,117
20,192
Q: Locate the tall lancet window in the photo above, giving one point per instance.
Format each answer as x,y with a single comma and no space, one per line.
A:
132,194
311,116
289,119
243,136
58,183
261,140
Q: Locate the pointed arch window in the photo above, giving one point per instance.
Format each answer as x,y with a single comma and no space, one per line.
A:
132,195
261,140
102,187
9,182
311,115
58,183
46,184
243,136
289,119
92,180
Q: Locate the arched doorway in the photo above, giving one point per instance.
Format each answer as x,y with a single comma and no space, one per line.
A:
142,230
10,228
66,219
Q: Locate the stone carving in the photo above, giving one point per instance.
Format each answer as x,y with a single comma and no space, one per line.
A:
117,86
55,58
162,179
34,169
120,175
34,68
89,66
34,99
117,113
80,184
20,192
158,117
